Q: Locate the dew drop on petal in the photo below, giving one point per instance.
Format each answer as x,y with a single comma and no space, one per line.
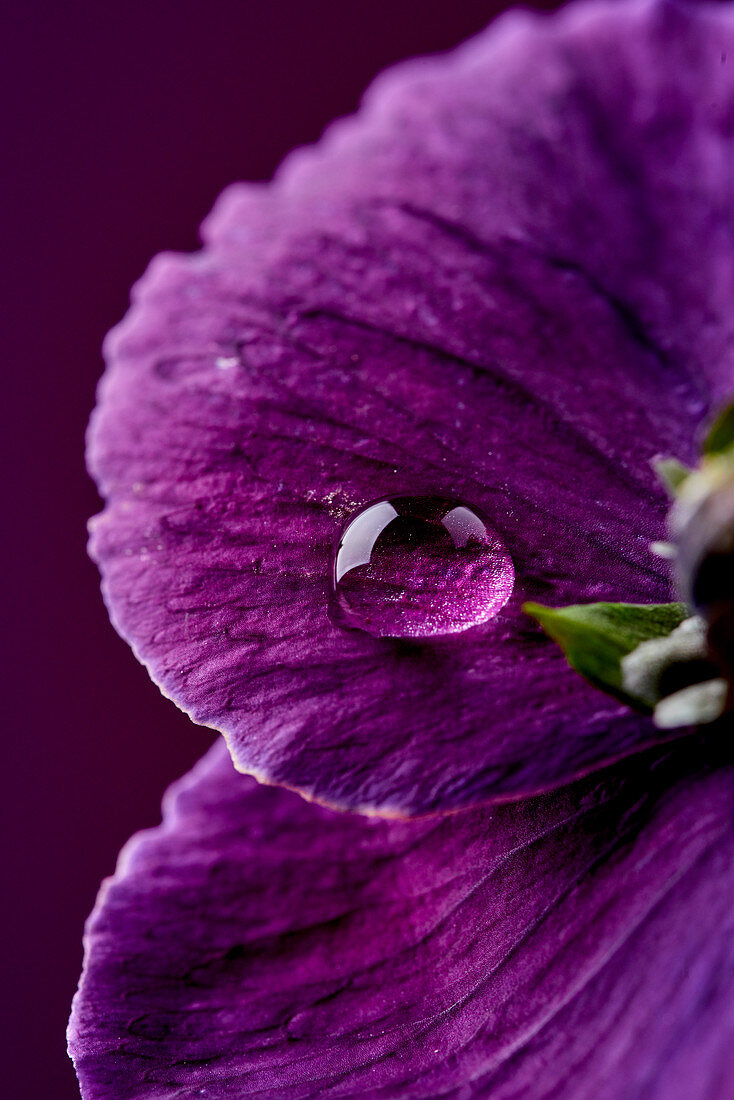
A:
419,567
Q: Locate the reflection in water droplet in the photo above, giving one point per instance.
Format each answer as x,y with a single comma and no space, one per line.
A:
417,567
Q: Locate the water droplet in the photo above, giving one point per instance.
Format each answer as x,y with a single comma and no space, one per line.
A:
418,567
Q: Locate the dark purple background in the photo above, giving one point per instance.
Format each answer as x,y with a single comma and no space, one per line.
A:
123,122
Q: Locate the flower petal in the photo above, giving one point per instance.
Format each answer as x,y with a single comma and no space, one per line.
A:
509,280
577,944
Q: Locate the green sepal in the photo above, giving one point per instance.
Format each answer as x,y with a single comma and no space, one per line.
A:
720,436
672,473
596,636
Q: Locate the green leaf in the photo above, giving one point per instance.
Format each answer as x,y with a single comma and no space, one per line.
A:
672,473
720,435
596,636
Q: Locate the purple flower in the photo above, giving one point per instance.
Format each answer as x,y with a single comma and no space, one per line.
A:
571,945
490,300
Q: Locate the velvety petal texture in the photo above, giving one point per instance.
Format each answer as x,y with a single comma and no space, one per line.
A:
574,945
509,281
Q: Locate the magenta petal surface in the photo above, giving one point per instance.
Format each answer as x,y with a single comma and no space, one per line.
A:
579,944
509,281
